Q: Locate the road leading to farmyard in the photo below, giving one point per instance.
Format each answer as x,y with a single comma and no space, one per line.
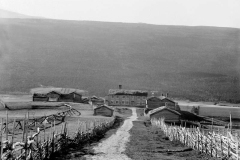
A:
114,146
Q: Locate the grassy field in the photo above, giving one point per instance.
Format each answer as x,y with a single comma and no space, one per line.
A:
72,121
150,143
209,109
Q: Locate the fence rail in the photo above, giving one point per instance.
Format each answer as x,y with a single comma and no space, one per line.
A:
210,142
45,146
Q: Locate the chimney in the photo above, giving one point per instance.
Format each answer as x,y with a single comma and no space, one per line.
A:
162,94
120,86
152,94
166,94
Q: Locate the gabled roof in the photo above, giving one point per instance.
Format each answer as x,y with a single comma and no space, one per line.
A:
105,107
159,109
127,92
163,97
96,98
153,97
46,90
185,115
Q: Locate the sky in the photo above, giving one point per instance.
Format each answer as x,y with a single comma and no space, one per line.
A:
221,13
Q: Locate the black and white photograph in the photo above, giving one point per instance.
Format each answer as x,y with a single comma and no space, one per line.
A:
120,79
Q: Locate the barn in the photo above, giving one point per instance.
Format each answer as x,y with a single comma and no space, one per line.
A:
97,101
155,102
168,114
40,97
51,94
104,111
168,102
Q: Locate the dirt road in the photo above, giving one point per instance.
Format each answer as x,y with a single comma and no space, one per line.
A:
114,146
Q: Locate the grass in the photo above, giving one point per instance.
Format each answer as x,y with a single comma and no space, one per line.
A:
149,143
212,110
123,112
85,110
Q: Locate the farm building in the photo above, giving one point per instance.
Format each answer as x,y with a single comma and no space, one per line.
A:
123,97
57,94
171,115
104,111
168,114
155,102
97,101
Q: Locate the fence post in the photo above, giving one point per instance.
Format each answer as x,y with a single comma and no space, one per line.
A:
66,138
216,147
6,126
53,145
211,145
35,123
206,144
26,140
228,146
1,136
46,154
39,148
237,146
13,132
198,140
221,146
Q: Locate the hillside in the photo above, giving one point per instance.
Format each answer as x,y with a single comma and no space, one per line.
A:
9,14
200,63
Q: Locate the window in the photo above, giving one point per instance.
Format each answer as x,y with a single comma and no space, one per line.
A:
122,102
111,102
116,102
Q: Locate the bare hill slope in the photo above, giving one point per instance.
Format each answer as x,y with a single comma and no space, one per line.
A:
10,14
194,62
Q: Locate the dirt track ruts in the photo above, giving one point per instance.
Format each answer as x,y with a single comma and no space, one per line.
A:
114,146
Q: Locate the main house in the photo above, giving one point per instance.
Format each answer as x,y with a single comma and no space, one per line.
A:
123,97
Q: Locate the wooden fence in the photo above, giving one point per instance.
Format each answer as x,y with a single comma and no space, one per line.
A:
210,142
44,146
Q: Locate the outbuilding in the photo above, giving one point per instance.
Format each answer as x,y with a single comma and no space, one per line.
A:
52,94
97,101
155,102
104,111
168,114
